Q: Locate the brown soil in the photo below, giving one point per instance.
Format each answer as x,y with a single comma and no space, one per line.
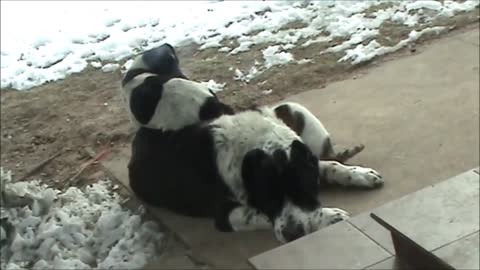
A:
85,111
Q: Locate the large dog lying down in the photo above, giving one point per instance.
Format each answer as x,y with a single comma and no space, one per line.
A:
257,169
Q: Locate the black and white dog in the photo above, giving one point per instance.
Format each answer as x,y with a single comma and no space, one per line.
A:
250,170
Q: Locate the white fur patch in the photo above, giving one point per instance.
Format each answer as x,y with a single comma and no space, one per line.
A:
236,135
309,221
244,218
179,106
138,63
314,134
337,173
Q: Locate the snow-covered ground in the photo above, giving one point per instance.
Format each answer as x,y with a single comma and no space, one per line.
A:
46,41
44,228
53,39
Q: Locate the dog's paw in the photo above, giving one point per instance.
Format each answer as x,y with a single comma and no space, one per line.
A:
365,177
331,216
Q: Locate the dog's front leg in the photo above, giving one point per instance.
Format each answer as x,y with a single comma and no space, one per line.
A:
233,217
334,172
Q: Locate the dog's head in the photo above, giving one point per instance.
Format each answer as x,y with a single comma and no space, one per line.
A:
158,95
161,61
285,187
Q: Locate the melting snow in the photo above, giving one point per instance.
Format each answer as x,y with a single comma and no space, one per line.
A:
44,228
110,67
273,57
214,86
304,61
363,53
36,49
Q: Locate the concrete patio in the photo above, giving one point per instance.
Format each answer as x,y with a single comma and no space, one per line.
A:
418,117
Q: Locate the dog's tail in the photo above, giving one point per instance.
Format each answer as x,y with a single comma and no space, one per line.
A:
344,154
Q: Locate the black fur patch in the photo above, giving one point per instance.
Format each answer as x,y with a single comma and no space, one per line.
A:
177,170
222,222
327,149
212,108
161,61
132,74
293,230
302,177
293,120
145,97
261,173
270,179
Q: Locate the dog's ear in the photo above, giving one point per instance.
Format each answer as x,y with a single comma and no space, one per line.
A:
280,160
301,155
259,165
299,150
261,178
302,177
255,168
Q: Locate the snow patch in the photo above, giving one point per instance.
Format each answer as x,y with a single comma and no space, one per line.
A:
110,67
225,49
304,61
405,18
45,228
273,57
36,49
214,86
96,64
267,92
319,39
419,4
252,73
363,53
127,65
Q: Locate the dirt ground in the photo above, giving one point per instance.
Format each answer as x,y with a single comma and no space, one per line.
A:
79,116
61,125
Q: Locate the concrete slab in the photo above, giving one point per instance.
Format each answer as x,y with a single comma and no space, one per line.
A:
432,217
462,254
365,223
391,263
220,250
340,246
472,37
442,217
171,259
207,245
418,117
